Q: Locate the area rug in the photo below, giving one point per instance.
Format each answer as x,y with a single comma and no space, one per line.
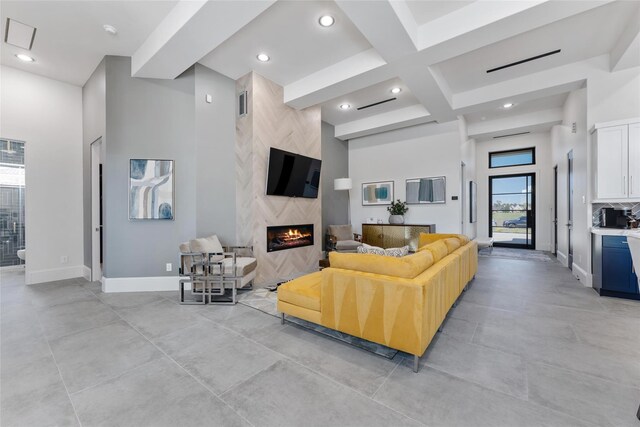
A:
523,254
265,301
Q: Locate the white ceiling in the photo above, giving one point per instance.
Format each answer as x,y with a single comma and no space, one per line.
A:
580,37
498,112
290,34
70,41
331,113
437,51
429,10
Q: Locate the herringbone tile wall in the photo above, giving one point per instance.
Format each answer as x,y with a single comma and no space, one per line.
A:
270,123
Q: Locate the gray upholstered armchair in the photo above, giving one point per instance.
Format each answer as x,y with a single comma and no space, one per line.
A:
215,273
341,238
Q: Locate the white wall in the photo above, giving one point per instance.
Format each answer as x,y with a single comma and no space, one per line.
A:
562,142
544,181
47,115
415,152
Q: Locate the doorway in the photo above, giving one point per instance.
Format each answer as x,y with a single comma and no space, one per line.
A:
96,211
463,199
570,209
12,200
512,200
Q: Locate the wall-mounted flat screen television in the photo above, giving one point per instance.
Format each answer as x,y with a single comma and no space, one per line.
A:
292,175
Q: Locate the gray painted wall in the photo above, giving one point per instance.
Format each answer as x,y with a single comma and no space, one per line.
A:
215,134
152,119
335,164
93,127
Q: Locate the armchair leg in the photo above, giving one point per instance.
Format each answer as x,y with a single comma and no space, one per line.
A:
416,363
282,319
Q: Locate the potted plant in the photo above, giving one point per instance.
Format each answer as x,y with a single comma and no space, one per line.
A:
397,211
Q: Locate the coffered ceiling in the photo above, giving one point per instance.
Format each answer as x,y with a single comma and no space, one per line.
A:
437,52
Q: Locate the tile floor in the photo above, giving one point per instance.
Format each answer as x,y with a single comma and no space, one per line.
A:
527,346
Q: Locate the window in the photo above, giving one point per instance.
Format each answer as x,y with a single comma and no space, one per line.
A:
502,159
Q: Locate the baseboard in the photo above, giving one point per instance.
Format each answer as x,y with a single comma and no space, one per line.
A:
41,276
562,258
580,274
139,284
19,267
86,272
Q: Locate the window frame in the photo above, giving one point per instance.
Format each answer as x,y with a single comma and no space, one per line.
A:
514,150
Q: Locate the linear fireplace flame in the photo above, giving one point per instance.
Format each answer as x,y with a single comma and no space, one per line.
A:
283,237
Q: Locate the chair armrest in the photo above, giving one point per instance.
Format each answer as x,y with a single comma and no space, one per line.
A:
330,242
237,248
357,237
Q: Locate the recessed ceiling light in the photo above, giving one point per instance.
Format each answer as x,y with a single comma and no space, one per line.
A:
263,57
25,58
508,105
326,20
396,90
110,29
345,106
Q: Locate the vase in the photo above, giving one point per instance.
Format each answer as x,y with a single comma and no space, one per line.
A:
396,219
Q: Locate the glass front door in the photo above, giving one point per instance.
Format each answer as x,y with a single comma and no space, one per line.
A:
512,210
11,201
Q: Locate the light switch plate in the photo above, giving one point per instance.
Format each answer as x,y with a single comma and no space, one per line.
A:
208,98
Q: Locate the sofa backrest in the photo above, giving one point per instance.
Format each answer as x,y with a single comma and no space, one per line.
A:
209,244
427,238
406,267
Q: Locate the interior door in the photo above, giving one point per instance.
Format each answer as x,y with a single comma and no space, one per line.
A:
555,210
570,208
512,210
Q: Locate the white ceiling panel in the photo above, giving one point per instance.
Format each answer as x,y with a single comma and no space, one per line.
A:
70,40
290,34
580,37
429,10
498,112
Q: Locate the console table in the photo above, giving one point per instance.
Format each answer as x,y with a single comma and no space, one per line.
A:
395,235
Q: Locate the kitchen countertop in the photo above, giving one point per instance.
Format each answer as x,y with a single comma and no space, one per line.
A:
614,231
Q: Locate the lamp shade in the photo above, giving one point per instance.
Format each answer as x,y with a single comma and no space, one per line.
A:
342,184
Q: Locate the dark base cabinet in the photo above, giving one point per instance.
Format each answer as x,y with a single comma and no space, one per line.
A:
613,272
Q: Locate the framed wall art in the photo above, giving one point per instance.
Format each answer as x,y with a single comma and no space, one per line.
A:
377,193
151,189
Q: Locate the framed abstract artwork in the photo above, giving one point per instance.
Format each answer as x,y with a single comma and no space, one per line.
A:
151,189
427,190
377,193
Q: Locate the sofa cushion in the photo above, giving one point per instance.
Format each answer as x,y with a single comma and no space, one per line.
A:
427,238
347,245
209,244
396,252
438,250
185,248
244,266
452,243
303,291
406,267
341,232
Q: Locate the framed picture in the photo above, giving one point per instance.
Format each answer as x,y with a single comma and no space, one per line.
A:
151,189
377,193
473,202
427,190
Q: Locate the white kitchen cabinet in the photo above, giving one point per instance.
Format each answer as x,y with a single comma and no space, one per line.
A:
617,160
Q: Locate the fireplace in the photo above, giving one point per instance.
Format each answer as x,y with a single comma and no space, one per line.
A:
283,237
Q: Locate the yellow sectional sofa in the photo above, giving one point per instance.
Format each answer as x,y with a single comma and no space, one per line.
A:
397,302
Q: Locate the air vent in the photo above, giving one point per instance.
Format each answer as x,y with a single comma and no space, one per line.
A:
511,134
533,58
242,104
19,34
376,103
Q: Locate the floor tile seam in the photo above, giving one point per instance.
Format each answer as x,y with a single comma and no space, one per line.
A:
373,396
42,308
474,332
332,380
532,359
114,377
66,389
592,376
479,345
182,368
55,338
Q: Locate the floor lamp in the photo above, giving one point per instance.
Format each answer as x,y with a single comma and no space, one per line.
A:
342,184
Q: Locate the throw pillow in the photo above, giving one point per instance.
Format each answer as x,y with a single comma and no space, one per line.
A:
368,249
397,252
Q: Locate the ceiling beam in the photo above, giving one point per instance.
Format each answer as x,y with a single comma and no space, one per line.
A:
396,119
626,52
530,122
190,31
